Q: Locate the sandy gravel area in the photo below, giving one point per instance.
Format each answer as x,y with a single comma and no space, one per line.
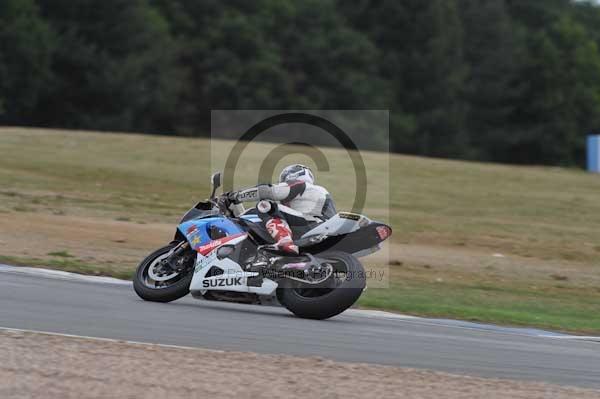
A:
48,366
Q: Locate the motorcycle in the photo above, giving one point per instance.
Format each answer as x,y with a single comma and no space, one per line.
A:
217,256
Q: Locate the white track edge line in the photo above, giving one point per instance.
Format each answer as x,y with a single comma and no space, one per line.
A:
61,275
573,337
112,340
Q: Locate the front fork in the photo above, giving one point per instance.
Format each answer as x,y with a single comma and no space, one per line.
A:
170,261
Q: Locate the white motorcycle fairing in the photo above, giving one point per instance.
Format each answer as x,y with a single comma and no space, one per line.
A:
232,278
341,223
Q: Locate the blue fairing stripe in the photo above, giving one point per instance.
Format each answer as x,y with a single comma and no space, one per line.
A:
196,231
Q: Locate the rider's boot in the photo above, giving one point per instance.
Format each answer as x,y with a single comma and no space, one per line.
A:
282,234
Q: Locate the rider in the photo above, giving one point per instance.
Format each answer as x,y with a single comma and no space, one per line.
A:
296,200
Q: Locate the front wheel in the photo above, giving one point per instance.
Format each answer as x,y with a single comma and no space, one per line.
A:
153,282
331,298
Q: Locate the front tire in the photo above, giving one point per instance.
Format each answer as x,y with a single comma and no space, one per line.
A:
160,291
323,303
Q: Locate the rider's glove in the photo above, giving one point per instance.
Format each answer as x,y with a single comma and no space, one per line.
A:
223,202
232,196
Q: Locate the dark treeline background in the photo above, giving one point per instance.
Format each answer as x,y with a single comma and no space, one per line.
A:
496,80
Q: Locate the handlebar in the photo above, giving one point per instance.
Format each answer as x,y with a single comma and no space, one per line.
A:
222,203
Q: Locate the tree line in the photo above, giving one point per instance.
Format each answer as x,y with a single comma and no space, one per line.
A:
514,81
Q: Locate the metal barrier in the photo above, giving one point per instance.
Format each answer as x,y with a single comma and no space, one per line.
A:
593,153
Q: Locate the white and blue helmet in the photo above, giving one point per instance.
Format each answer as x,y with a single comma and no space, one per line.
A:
297,172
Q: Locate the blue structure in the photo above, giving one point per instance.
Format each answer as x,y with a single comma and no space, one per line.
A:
593,154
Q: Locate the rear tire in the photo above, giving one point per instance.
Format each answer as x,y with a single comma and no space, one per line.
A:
176,290
325,303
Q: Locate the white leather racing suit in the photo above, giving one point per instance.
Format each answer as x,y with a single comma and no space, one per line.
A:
308,200
295,203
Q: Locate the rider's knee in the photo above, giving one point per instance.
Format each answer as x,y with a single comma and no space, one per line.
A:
267,207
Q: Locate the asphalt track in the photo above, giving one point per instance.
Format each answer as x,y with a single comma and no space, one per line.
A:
107,310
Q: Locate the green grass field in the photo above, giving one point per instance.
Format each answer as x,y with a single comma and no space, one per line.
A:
505,244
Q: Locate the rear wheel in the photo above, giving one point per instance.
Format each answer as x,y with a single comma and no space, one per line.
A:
155,282
330,298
